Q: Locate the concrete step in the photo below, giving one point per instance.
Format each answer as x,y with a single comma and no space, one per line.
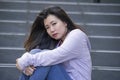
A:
12,40
10,55
105,75
102,29
105,43
86,7
110,1
106,58
7,27
64,0
96,18
13,5
9,73
13,15
68,6
99,7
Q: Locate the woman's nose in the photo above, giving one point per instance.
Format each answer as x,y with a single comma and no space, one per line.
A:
52,29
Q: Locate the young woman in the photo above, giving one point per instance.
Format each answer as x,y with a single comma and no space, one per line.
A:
73,52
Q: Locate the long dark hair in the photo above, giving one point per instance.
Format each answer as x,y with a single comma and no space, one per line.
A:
39,35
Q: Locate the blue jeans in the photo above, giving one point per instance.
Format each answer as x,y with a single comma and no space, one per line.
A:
55,72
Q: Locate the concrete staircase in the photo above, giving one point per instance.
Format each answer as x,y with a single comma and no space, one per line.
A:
100,20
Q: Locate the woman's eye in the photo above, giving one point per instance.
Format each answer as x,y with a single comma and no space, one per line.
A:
54,24
47,27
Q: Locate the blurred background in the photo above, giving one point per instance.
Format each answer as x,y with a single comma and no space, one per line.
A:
99,18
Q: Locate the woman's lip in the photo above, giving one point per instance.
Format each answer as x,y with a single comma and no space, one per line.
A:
54,35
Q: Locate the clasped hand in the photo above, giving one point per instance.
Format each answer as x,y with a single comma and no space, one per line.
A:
27,70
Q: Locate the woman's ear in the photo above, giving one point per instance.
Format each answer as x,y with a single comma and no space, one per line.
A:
65,24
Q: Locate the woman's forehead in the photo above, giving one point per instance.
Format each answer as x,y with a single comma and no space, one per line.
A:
50,19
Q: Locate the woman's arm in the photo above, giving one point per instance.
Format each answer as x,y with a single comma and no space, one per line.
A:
72,47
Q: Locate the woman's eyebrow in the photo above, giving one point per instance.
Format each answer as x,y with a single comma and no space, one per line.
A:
52,22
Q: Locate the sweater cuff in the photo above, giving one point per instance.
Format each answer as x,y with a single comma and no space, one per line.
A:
24,61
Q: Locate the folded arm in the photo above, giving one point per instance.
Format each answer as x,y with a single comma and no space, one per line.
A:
71,48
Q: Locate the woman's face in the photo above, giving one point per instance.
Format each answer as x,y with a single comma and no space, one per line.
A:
56,28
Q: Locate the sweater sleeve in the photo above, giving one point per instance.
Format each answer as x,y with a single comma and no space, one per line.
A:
23,60
71,48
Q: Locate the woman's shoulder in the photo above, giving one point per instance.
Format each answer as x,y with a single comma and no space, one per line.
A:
77,32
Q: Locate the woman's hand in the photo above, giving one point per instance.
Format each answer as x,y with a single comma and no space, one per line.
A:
23,61
29,70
